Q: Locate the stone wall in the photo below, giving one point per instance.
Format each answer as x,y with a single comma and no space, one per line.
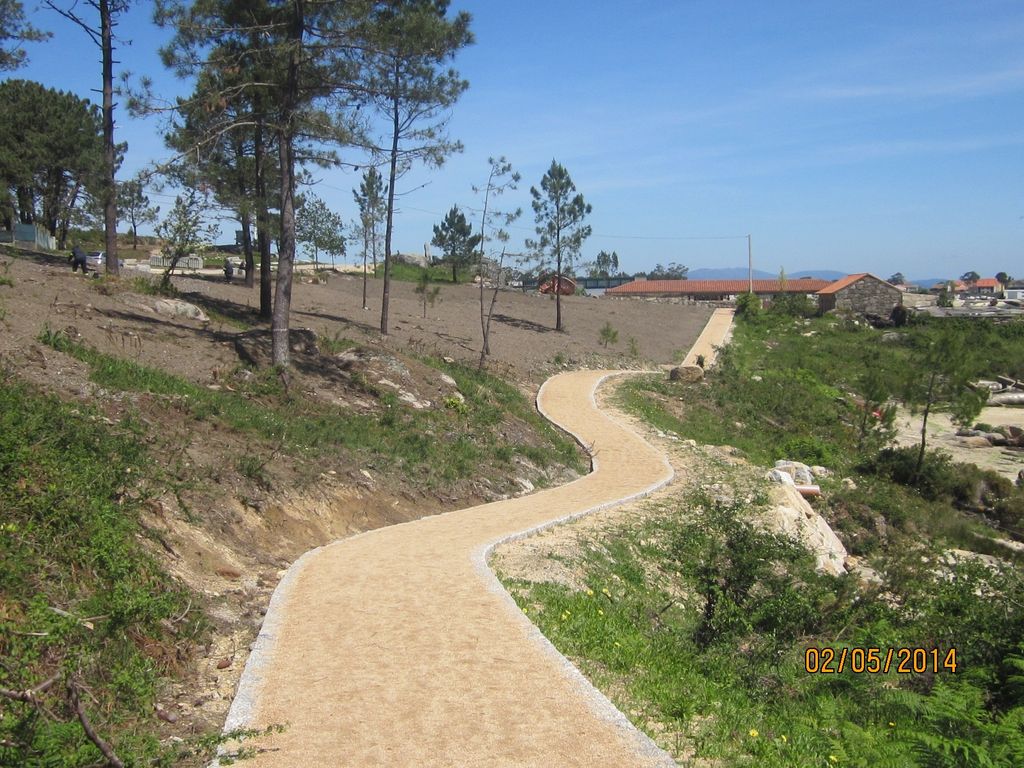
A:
867,296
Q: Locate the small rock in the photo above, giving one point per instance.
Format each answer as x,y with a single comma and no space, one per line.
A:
166,716
448,380
847,482
995,438
780,476
224,663
821,471
525,484
228,573
756,378
448,360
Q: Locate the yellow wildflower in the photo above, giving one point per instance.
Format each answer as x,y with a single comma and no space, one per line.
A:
784,739
892,724
833,759
600,611
753,733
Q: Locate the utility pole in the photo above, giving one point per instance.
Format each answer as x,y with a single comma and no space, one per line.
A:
750,266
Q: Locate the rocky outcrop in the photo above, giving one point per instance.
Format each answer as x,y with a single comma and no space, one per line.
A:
793,516
790,514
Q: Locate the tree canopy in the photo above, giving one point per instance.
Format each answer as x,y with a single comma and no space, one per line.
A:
320,229
15,30
673,271
133,206
49,163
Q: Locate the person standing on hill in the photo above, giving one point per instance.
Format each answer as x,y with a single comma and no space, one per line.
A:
229,270
78,259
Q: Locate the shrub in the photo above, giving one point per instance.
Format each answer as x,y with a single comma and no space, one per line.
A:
792,305
935,480
809,450
748,306
609,335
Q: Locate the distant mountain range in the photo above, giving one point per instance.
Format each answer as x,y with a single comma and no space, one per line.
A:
740,273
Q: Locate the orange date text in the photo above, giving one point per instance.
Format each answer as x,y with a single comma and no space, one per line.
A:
903,661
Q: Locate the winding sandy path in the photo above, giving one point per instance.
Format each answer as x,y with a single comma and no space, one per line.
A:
398,647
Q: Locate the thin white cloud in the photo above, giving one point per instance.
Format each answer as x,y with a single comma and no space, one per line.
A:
970,86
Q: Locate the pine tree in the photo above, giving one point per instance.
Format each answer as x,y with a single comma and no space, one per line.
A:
412,40
370,199
454,236
559,212
134,207
320,228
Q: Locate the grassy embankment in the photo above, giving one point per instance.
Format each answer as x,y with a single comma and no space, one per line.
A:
698,622
87,615
399,438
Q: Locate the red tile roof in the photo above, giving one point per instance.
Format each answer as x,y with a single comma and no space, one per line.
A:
988,282
843,282
714,287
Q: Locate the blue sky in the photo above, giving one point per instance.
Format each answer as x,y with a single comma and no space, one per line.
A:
857,136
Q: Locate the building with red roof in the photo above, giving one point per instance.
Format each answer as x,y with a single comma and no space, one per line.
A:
716,290
862,294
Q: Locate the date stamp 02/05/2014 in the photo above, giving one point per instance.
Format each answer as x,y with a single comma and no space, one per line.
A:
904,661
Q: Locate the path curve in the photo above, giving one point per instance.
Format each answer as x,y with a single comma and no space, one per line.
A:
398,647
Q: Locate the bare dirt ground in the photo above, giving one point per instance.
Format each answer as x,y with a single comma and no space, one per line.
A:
523,341
942,435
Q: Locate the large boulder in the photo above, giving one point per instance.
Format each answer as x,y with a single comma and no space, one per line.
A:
793,516
688,374
179,308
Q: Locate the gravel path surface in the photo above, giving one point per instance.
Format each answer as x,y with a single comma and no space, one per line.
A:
398,647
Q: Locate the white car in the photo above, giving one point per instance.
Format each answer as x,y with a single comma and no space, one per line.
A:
96,260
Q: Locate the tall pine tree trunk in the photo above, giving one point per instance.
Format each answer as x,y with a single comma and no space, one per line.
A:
366,247
558,280
281,351
391,206
262,217
109,153
245,219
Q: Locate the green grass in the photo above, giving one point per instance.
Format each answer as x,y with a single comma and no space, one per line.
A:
705,620
730,685
410,273
79,597
441,445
